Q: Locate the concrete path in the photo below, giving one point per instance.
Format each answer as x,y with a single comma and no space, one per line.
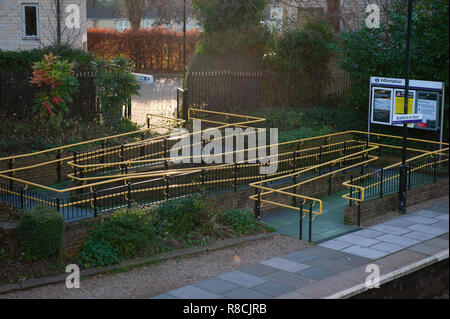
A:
334,265
159,97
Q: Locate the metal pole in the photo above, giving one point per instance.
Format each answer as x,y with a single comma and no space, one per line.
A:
402,177
184,36
58,24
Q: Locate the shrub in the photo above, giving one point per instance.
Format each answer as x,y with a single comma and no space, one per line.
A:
98,254
40,233
53,76
127,232
116,85
242,222
150,49
180,217
17,61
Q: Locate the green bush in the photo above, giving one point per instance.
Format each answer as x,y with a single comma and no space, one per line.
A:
125,125
116,85
180,217
98,254
129,232
242,222
19,60
40,233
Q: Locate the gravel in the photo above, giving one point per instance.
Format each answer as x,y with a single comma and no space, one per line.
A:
148,281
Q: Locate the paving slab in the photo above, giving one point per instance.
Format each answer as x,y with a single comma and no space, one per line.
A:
427,213
368,233
428,229
335,244
399,240
418,235
389,229
328,286
216,285
298,256
245,293
438,242
359,240
315,273
387,247
332,265
289,279
442,217
401,222
318,251
284,264
192,292
273,289
258,269
441,207
426,249
401,258
443,224
242,279
364,252
420,220
354,260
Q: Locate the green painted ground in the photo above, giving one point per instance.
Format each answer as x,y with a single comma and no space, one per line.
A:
329,224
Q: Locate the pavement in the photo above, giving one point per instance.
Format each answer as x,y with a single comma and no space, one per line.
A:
333,265
159,97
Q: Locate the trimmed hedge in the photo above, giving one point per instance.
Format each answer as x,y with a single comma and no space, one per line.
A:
152,49
40,233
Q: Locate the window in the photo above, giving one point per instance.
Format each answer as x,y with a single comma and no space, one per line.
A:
122,25
30,18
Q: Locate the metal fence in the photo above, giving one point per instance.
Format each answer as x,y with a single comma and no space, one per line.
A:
17,94
224,90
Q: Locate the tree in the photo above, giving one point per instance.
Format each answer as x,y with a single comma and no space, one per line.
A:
381,52
231,25
135,11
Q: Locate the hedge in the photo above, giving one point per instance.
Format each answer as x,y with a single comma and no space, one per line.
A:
155,49
40,233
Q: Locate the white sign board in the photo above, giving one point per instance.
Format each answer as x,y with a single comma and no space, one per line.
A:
145,78
387,101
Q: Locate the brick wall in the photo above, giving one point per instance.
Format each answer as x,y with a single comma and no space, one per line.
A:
377,207
75,233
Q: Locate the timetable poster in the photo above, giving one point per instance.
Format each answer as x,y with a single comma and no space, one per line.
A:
427,106
399,103
382,105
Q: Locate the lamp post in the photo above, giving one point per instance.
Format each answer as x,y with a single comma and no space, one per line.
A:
402,181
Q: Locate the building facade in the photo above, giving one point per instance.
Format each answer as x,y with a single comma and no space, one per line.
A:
31,24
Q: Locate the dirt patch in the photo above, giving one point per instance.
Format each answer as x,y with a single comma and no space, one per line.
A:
148,281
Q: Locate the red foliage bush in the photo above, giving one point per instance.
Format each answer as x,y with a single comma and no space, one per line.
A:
155,49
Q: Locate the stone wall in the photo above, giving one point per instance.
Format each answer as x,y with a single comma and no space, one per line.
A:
11,25
377,207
